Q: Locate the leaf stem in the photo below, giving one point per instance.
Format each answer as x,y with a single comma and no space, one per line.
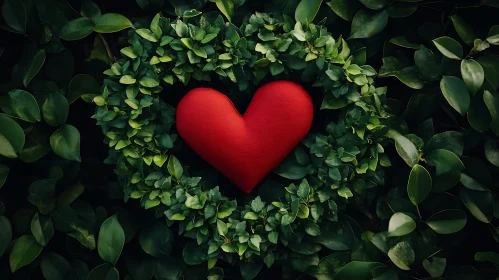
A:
108,50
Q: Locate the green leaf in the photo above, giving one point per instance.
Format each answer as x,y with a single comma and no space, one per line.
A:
174,167
403,42
111,240
221,227
449,47
358,270
303,189
4,172
65,142
471,183
345,9
400,224
90,10
402,255
473,74
34,67
367,24
14,14
375,4
463,29
54,266
109,23
167,268
5,234
25,250
55,109
435,268
147,34
480,204
478,114
456,93
82,85
445,161
257,204
104,272
409,75
24,105
250,270
447,221
77,29
492,257
493,36
491,100
156,240
449,140
11,137
419,184
405,148
492,152
42,229
490,64
307,10
226,7
194,254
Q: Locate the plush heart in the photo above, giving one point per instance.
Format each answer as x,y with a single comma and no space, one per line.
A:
245,148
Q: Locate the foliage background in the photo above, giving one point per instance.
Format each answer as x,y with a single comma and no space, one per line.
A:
42,58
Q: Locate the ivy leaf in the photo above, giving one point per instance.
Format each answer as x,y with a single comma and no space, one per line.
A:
65,142
11,137
25,250
109,23
111,240
447,221
400,224
456,93
419,184
77,29
463,29
257,204
402,255
367,24
307,10
449,47
24,105
473,74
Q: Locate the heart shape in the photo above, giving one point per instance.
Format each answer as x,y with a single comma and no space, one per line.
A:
245,148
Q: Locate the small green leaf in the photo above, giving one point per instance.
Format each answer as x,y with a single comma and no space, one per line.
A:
55,109
367,24
25,250
24,105
402,255
447,221
473,74
419,184
111,240
221,228
400,224
463,29
307,10
456,93
11,137
109,23
77,29
65,142
449,47
34,67
435,268
42,229
493,36
174,167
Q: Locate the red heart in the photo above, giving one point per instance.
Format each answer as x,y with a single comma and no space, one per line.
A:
245,148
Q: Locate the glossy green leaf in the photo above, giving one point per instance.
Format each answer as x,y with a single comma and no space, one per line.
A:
54,266
490,64
405,148
491,100
24,105
307,10
402,255
55,109
473,74
492,152
77,29
449,47
226,7
174,167
11,137
471,183
5,234
367,24
456,93
493,36
449,140
479,203
25,250
42,229
345,9
109,23
419,184
445,161
34,67
447,221
65,142
400,224
14,14
463,29
111,240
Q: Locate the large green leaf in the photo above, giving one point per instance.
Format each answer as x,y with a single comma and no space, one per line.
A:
11,137
65,142
54,266
400,224
42,229
463,29
111,240
447,221
449,140
449,47
345,9
367,24
34,67
5,234
479,203
109,23
55,109
77,29
24,105
473,74
491,100
25,250
419,184
445,161
307,10
492,152
405,148
402,255
456,93
14,14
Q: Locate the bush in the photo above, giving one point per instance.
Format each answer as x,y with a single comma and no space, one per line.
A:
396,180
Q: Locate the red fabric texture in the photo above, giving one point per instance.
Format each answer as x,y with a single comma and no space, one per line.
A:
245,148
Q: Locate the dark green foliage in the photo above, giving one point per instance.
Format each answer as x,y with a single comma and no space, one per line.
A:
396,180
